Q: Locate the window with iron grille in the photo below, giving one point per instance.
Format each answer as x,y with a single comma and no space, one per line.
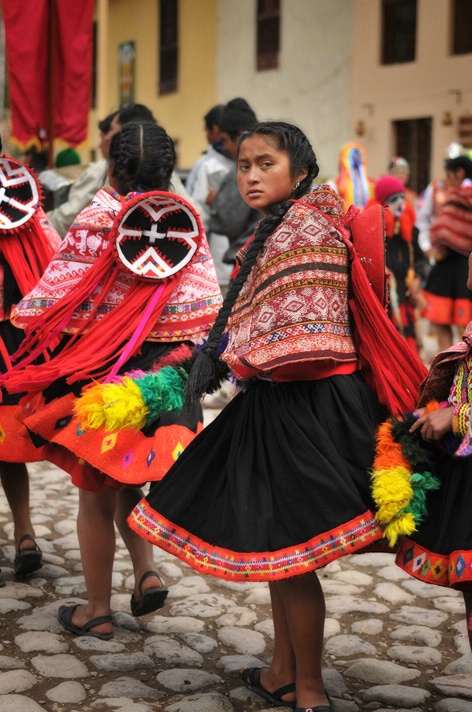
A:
268,34
168,45
461,27
398,31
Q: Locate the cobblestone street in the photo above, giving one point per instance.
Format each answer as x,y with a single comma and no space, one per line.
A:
390,641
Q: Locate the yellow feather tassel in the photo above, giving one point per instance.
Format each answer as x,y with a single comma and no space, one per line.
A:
402,526
124,406
112,406
89,408
392,491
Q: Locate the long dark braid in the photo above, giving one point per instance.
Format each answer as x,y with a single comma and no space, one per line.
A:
207,369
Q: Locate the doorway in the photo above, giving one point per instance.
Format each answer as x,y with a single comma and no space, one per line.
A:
412,140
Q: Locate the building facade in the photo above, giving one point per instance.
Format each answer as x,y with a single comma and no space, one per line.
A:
412,82
394,75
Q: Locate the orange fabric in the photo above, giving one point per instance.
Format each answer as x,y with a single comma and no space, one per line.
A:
447,311
127,456
15,443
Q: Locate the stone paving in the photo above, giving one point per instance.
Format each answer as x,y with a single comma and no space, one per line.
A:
390,641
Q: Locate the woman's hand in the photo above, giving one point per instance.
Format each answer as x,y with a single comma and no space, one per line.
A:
434,425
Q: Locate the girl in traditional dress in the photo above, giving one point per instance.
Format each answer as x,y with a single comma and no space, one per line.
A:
437,543
277,487
132,285
27,243
405,260
448,299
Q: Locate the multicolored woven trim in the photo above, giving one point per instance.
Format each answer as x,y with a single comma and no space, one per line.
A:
401,477
265,566
439,569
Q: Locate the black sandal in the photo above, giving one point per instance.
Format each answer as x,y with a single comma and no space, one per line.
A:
27,560
150,600
251,678
64,616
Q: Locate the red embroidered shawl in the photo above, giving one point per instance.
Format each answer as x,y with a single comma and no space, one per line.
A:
293,307
190,310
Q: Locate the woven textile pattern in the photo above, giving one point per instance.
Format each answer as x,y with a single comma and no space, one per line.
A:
189,312
294,306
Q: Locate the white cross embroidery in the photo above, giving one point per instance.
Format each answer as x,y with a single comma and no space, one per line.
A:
3,198
153,234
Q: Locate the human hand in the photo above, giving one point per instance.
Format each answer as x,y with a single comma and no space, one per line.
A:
211,196
434,425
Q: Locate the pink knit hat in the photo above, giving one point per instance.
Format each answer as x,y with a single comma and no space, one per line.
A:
387,186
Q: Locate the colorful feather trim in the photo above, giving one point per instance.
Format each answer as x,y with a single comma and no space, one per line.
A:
133,401
401,477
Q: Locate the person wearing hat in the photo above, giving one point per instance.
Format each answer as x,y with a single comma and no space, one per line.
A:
27,243
405,260
67,157
400,168
229,213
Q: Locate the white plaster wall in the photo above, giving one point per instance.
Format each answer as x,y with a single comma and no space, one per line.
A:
311,87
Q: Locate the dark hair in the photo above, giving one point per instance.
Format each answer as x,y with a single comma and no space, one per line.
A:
213,117
105,124
141,157
207,370
135,112
237,117
455,164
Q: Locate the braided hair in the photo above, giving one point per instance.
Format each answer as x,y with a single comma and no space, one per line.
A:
207,370
141,157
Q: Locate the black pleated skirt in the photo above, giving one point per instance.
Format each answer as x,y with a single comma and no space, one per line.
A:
441,551
278,484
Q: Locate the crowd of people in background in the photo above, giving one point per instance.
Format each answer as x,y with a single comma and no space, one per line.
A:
141,296
427,271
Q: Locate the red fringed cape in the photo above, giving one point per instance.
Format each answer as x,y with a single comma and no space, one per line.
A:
85,292
295,307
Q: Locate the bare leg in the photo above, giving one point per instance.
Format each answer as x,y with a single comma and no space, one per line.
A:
444,334
15,482
282,667
304,606
468,613
96,531
140,550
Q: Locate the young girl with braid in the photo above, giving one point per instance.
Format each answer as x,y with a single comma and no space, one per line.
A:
277,486
132,286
